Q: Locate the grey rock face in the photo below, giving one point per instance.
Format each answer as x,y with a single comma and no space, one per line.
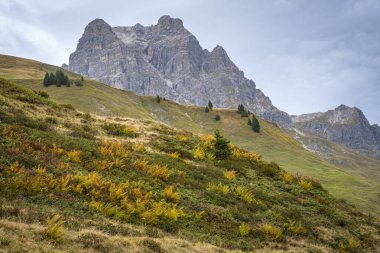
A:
167,60
344,125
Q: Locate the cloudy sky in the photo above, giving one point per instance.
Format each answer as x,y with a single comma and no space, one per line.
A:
307,56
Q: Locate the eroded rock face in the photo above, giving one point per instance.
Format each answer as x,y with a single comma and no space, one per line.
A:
344,125
167,60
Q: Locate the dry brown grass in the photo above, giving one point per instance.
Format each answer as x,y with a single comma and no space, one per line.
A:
22,237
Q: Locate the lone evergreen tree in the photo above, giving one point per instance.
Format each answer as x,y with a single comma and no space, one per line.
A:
222,150
244,113
255,124
240,108
207,109
210,105
217,117
46,80
249,122
52,78
82,78
60,76
158,99
66,81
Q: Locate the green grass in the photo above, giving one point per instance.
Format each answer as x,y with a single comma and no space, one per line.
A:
351,180
111,195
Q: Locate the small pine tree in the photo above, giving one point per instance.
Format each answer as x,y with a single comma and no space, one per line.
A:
60,76
53,79
244,113
222,150
249,122
158,99
217,117
66,81
207,109
82,78
210,105
255,124
46,80
240,108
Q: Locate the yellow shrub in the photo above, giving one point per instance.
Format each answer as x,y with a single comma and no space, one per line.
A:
171,195
129,132
218,187
102,165
139,147
140,164
272,231
244,229
63,166
175,155
182,138
54,230
244,194
230,175
56,150
296,228
199,154
353,244
118,163
210,156
116,148
238,153
116,193
209,138
158,171
162,211
306,184
74,156
287,177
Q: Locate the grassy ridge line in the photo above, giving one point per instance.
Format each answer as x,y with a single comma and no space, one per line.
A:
273,143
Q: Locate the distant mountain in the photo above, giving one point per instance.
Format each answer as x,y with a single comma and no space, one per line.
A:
344,125
167,60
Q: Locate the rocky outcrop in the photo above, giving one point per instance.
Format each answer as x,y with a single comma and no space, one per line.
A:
167,60
344,125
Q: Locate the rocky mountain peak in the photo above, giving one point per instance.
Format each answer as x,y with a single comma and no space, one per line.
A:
344,125
346,115
167,60
169,25
97,27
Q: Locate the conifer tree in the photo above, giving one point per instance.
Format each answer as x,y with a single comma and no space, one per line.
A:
52,78
217,117
210,105
60,77
46,80
255,124
158,99
240,108
207,109
222,150
66,81
244,113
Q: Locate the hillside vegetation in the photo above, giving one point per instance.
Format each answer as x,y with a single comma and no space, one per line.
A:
72,181
350,175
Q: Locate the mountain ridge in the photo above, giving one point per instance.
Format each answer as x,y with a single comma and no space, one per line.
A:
344,125
167,60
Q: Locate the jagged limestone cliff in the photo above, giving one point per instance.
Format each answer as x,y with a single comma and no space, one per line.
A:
167,60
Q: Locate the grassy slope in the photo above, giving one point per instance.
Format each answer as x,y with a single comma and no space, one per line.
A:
122,206
273,143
